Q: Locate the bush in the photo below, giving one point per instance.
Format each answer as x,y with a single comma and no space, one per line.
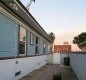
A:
67,61
57,76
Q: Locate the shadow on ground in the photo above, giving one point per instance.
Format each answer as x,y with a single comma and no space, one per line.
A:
46,73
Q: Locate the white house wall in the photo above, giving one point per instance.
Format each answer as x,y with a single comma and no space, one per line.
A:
78,64
62,56
56,58
8,68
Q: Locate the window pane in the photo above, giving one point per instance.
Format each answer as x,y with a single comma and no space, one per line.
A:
44,47
37,46
22,34
22,40
31,38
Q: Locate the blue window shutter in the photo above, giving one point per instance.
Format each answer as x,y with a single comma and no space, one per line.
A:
8,37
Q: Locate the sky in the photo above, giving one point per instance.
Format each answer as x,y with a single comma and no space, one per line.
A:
65,18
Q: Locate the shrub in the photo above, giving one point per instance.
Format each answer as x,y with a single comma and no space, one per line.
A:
60,76
57,76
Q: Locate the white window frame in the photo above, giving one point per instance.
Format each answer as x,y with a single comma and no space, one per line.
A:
22,41
31,38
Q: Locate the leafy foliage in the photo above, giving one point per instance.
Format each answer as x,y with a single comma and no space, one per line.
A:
57,76
80,38
52,36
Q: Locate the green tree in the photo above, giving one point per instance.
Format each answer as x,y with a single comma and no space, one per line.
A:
52,37
80,38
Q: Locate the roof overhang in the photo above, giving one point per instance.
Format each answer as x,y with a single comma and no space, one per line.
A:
25,15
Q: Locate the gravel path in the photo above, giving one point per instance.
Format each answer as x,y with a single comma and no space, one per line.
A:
46,72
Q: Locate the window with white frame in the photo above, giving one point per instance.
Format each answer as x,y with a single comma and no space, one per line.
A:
31,38
22,41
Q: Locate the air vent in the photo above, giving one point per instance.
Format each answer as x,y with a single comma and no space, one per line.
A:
17,73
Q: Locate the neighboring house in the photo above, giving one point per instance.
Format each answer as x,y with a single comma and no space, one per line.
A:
62,48
82,46
24,45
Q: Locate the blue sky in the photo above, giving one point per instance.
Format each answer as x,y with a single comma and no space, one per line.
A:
56,15
60,16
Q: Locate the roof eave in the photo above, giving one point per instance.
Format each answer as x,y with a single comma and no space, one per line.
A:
27,17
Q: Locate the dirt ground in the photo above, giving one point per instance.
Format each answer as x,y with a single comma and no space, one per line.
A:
46,73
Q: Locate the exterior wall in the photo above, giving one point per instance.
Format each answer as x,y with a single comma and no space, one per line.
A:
9,48
56,58
8,68
9,34
46,47
41,46
50,58
62,56
30,48
8,37
77,61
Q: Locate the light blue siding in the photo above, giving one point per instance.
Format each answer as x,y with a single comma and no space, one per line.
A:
41,46
30,48
8,37
46,48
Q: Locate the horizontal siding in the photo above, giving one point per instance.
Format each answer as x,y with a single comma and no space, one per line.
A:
46,47
41,46
30,48
8,37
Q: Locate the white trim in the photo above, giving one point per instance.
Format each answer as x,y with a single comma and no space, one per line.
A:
31,38
23,41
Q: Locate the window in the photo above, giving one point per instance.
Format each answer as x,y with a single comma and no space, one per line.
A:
22,41
44,47
31,38
37,46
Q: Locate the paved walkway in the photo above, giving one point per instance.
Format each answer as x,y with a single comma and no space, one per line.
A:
46,72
